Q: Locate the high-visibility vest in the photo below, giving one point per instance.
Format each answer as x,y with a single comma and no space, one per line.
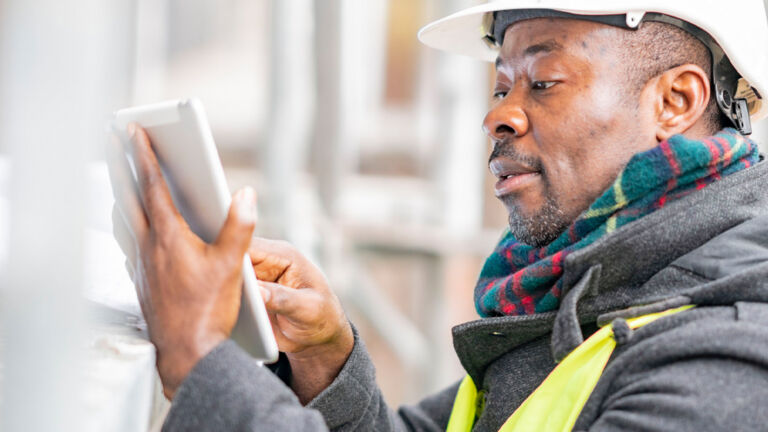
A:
556,404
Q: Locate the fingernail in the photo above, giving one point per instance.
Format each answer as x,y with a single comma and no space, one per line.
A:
265,293
246,205
131,130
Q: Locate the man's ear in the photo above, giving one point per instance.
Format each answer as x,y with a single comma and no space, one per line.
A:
681,98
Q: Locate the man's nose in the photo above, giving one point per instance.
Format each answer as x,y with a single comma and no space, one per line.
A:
505,119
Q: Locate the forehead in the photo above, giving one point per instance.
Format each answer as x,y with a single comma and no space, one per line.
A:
551,35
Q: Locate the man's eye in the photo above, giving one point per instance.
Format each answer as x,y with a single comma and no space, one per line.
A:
542,85
499,94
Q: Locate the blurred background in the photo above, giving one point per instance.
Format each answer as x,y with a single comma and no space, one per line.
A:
365,148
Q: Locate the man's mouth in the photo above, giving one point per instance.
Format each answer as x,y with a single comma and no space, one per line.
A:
513,176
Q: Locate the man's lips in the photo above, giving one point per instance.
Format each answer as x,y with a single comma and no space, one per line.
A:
513,175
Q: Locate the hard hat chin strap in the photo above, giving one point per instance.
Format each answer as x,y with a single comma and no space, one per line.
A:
731,99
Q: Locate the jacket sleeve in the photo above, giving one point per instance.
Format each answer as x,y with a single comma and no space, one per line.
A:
354,401
228,391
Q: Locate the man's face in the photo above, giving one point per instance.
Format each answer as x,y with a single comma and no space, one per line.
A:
564,124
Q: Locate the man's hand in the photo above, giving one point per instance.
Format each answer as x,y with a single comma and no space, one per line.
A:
189,290
309,323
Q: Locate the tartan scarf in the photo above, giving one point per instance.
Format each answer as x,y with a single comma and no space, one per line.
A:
518,279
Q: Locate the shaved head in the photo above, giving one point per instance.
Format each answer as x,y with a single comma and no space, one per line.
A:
657,47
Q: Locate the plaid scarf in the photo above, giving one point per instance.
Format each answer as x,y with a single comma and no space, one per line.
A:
518,279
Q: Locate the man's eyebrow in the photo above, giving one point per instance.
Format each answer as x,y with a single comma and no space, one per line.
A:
548,46
545,47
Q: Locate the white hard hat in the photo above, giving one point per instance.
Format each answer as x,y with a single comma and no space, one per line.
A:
735,31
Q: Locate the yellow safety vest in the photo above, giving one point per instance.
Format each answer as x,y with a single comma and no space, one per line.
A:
556,404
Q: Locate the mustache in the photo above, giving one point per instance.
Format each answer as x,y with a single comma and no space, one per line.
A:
502,148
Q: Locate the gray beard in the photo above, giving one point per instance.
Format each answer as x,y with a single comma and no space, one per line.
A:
541,229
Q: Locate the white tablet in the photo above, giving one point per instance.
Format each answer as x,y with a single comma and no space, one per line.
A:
187,155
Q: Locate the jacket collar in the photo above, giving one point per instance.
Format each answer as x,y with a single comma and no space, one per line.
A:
616,272
623,263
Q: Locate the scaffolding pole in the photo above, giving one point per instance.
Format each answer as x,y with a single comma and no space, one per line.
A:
292,84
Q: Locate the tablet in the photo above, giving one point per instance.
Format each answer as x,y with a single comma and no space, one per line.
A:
184,146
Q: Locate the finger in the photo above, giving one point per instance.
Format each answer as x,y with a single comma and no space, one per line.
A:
271,259
235,236
153,190
123,235
284,342
124,190
263,249
280,337
293,304
277,331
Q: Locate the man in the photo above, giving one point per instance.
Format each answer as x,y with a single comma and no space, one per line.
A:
636,206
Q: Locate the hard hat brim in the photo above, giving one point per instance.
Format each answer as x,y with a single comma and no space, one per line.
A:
465,33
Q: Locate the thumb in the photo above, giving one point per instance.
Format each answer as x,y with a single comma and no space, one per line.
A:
235,235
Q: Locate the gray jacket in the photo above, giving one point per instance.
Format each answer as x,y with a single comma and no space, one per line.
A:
703,369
